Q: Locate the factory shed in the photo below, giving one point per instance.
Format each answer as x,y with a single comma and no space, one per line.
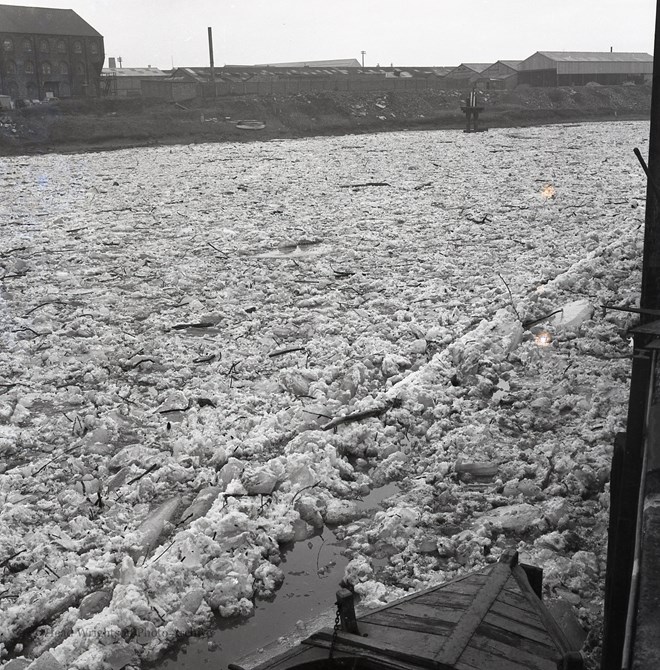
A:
577,68
342,62
126,82
500,75
465,74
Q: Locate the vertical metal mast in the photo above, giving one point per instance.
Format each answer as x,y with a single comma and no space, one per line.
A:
627,476
211,62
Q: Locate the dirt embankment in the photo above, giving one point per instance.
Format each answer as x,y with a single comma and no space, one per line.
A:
109,124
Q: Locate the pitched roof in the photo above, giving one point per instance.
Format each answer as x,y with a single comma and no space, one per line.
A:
610,56
474,67
134,72
44,21
510,63
342,62
477,67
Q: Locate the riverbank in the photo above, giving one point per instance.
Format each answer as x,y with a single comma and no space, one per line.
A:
73,126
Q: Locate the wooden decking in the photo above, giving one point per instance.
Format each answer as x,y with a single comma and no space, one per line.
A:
487,620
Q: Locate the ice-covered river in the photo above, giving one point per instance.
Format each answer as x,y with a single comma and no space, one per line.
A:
184,327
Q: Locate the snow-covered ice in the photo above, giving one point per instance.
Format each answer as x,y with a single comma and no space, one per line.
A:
178,324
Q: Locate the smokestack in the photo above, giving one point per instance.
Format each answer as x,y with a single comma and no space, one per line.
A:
611,49
211,61
112,63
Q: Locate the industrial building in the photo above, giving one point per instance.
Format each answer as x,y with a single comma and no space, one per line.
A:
126,82
577,68
47,53
500,75
465,74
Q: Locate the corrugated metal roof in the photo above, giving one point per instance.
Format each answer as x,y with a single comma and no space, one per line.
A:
342,62
511,63
44,21
134,71
590,56
477,67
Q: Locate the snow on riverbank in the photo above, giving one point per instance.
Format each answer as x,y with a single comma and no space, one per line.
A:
179,324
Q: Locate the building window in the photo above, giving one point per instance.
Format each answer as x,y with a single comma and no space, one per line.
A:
80,68
45,68
44,47
29,67
61,47
94,48
64,68
77,47
27,45
10,67
7,44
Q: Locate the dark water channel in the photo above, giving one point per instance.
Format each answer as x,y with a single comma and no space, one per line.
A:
313,569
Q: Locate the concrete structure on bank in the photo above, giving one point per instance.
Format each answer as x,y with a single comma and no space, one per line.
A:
577,68
48,53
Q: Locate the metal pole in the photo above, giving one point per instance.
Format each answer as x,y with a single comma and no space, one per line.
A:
211,62
623,519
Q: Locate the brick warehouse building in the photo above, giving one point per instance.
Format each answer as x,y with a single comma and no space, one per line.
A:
48,52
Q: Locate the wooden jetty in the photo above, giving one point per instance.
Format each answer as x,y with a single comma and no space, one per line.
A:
490,619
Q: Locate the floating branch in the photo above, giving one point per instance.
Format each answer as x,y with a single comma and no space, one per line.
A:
11,558
11,251
304,488
218,250
533,322
356,416
174,410
206,359
486,219
202,324
43,304
281,352
143,360
366,184
151,468
510,295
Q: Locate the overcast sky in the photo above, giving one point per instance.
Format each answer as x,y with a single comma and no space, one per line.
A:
411,32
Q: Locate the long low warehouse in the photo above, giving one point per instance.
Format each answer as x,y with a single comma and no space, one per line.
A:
577,68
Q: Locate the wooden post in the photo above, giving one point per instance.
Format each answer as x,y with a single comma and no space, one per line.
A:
346,609
572,660
623,521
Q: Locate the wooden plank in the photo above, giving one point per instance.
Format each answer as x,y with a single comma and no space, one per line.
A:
528,632
512,638
342,650
548,620
476,659
473,616
496,649
528,617
427,594
423,643
515,599
415,609
458,601
393,647
432,626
